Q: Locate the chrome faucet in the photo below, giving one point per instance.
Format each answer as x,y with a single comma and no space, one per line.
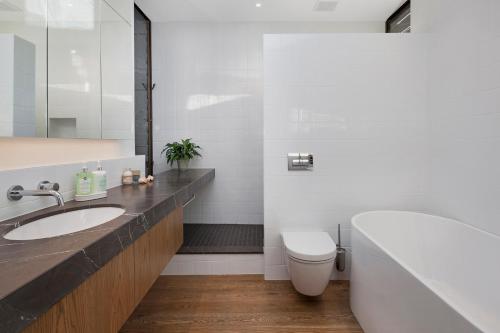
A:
44,189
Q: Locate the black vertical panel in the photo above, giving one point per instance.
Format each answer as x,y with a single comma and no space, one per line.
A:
143,88
400,21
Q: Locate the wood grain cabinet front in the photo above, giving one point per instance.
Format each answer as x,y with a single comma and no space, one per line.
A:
153,253
104,301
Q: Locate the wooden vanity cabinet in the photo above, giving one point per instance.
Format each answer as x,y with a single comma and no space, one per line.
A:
105,300
153,253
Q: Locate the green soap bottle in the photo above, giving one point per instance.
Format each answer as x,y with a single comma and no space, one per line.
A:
84,182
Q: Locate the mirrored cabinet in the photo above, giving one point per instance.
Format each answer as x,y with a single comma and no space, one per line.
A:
74,83
23,68
117,74
67,69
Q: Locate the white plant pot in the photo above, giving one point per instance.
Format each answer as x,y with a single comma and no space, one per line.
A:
182,164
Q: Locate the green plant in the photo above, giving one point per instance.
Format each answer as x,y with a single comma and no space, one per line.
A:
184,150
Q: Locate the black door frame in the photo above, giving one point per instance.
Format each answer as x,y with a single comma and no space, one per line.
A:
150,161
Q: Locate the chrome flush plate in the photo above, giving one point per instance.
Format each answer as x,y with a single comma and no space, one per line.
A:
300,161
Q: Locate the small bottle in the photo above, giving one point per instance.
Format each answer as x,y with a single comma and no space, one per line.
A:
127,177
136,175
84,182
100,179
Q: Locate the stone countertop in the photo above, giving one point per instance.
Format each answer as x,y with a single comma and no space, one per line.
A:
36,274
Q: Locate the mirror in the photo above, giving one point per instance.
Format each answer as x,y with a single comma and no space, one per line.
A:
23,68
77,63
117,73
74,91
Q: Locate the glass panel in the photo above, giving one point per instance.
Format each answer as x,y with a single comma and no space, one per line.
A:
117,76
23,68
74,71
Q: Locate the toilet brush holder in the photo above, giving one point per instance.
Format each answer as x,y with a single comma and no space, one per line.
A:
340,258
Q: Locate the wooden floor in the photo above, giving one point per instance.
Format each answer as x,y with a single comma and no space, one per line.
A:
246,303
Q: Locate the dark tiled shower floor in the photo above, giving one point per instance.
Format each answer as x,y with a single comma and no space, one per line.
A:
222,239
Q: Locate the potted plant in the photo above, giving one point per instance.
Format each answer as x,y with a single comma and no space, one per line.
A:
181,152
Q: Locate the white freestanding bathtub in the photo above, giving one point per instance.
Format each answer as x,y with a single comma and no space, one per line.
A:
418,273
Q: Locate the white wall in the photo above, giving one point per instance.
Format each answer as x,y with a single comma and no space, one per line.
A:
18,153
215,264
464,107
358,103
209,87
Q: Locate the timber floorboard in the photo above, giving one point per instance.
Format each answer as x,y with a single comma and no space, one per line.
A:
243,303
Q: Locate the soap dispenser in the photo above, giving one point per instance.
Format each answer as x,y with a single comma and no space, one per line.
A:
100,179
84,182
90,184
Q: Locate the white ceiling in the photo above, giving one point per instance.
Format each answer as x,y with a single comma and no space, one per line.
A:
271,10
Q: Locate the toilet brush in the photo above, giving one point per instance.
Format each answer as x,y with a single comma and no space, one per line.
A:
340,258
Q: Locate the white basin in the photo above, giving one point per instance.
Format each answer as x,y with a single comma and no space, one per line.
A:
65,223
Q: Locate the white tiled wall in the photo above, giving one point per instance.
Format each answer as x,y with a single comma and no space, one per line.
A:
464,107
358,103
64,174
215,264
209,87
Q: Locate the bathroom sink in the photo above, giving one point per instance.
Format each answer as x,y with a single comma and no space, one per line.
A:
65,223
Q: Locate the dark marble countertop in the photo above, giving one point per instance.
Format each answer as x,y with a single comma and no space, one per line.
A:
36,274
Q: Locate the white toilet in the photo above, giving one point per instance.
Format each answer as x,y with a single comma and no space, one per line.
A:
310,259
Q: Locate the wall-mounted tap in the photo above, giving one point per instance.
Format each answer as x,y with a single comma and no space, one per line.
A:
44,189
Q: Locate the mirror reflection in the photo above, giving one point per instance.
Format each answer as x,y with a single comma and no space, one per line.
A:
23,68
74,101
66,69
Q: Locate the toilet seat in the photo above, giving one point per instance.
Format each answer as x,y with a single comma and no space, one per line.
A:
309,246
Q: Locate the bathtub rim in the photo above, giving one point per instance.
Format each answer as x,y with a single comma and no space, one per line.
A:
354,222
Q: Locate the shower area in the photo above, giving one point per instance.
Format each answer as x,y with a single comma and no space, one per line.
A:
209,88
222,239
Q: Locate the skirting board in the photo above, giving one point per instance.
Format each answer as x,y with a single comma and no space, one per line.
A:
215,264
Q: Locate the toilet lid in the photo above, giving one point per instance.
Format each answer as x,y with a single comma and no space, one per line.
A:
310,246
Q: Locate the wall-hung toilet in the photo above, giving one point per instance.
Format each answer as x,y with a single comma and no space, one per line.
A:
310,260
